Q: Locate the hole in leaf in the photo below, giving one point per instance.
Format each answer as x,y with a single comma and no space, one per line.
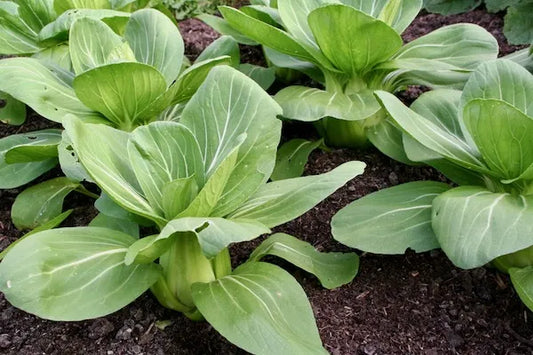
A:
3,103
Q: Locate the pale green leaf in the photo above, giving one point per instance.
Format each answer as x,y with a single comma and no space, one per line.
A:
118,224
522,280
73,274
265,77
390,221
12,111
222,46
292,157
223,27
281,201
332,269
262,309
34,146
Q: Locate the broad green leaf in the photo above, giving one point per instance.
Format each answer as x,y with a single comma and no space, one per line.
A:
28,81
192,78
390,221
57,31
208,197
292,157
294,16
281,201
91,43
160,153
57,56
227,105
400,14
103,151
271,36
500,5
387,137
347,36
61,6
41,203
69,162
369,7
265,77
332,269
501,80
475,226
54,222
463,46
16,36
517,27
308,104
118,224
36,13
503,135
262,309
223,46
178,195
34,146
156,41
121,91
524,57
522,280
72,274
282,60
223,27
105,205
214,234
451,7
12,111
15,175
429,134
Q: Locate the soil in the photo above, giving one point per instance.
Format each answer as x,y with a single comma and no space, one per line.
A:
411,304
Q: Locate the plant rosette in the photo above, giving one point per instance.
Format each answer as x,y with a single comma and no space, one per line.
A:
202,183
481,140
354,48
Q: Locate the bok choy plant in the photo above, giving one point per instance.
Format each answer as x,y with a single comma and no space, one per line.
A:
123,81
354,48
481,140
202,182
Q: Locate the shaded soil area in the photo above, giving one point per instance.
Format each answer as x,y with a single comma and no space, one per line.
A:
411,304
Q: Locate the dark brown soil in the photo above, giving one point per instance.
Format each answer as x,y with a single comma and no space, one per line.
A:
412,304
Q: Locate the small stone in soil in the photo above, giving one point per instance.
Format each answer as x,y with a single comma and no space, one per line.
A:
100,328
5,341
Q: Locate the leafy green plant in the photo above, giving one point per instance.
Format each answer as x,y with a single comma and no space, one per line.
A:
183,9
122,81
202,182
481,140
354,48
518,28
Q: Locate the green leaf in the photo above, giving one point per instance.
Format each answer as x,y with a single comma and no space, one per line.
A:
56,57
54,222
501,80
16,36
332,269
503,135
223,27
227,105
214,234
307,104
391,220
451,7
292,157
400,14
178,195
281,201
265,77
475,226
103,151
160,153
34,146
36,13
431,135
462,46
28,81
347,36
156,41
41,203
260,308
222,46
61,6
69,162
270,36
282,60
12,111
523,57
15,175
192,78
117,224
57,31
522,280
120,91
91,43
387,137
72,274
500,5
517,27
